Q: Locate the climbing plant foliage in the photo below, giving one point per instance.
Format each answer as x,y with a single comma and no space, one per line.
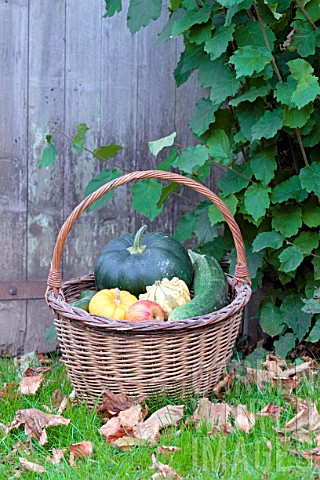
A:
260,122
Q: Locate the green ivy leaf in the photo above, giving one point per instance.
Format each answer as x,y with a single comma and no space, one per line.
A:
199,34
218,75
308,85
171,187
166,32
203,228
157,145
290,259
204,115
295,118
304,39
233,181
263,164
104,152
104,177
248,60
296,319
215,216
290,188
287,221
271,319
267,240
185,228
219,147
78,139
190,19
248,115
314,335
218,44
308,241
141,12
285,344
251,95
167,163
310,178
49,154
311,213
285,90
191,158
312,10
112,7
268,125
311,306
252,34
190,60
256,200
146,194
316,264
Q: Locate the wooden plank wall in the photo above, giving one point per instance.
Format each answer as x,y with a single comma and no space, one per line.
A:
62,62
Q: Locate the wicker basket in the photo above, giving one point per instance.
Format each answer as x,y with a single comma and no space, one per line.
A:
179,358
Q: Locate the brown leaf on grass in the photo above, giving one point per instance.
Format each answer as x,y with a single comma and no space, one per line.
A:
57,456
287,385
113,430
313,454
224,385
59,401
131,417
43,359
270,410
208,412
113,403
20,447
35,423
162,418
33,372
274,364
244,420
305,424
225,430
30,385
32,467
82,449
9,390
261,378
165,471
167,450
126,443
4,428
269,444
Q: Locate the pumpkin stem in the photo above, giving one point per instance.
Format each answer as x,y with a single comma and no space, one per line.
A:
118,298
137,247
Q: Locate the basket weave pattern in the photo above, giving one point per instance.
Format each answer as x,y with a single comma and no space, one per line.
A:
178,358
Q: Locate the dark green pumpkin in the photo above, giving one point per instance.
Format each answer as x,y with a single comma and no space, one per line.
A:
131,262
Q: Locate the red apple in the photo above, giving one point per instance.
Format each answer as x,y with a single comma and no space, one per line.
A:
145,310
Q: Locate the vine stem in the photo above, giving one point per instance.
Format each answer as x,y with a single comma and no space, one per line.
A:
275,66
302,249
306,14
56,128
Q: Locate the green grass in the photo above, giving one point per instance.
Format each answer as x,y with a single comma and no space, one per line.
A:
236,457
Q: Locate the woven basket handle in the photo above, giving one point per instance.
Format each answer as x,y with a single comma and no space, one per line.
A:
55,279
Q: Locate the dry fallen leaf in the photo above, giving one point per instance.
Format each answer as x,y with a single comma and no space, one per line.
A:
224,385
113,430
313,454
43,359
167,450
244,420
162,418
36,422
59,401
269,444
216,414
259,377
82,449
32,467
30,385
165,471
9,390
225,430
270,410
274,364
305,424
57,456
113,403
131,417
32,372
126,443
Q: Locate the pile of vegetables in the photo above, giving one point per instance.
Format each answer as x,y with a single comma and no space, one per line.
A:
148,276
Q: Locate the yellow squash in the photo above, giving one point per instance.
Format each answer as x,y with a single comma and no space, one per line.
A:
112,303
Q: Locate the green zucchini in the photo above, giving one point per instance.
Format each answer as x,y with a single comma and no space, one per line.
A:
84,300
210,289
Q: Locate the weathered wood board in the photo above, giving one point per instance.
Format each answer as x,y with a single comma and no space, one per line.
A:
62,63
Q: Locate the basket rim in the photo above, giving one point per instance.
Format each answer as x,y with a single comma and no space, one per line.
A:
242,294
